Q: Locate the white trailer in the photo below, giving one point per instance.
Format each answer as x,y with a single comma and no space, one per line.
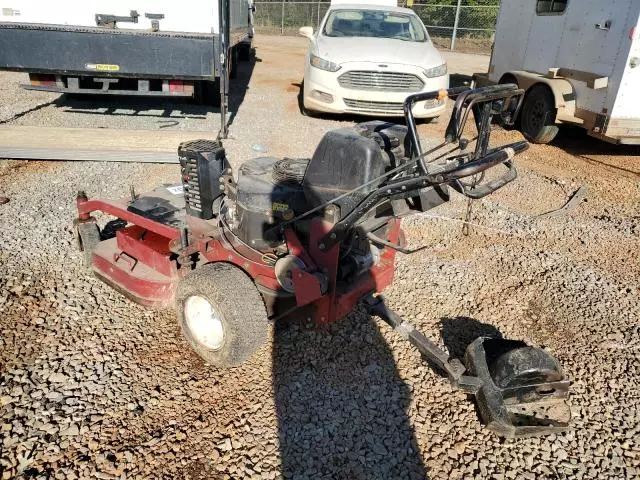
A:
131,47
579,62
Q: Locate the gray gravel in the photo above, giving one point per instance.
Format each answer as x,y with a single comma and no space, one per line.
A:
94,386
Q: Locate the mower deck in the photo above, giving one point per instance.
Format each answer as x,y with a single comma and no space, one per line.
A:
144,260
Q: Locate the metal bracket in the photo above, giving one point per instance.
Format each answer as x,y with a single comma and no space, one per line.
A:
519,390
155,20
108,20
452,367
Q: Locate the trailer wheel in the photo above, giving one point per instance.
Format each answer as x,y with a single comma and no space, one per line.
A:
88,237
221,314
538,116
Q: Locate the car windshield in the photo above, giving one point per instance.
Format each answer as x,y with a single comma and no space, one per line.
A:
375,23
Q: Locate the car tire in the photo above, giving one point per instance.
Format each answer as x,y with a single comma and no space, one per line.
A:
428,120
306,111
235,326
538,115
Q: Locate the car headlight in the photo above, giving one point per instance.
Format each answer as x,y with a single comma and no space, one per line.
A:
436,71
323,64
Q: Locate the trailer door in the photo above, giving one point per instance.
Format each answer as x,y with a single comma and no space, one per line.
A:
545,34
625,103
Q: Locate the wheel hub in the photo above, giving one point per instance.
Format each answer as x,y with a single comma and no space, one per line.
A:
537,114
204,322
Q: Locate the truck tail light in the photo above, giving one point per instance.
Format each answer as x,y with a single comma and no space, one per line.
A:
42,80
176,86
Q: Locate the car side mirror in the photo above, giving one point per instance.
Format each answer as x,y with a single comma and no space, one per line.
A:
306,32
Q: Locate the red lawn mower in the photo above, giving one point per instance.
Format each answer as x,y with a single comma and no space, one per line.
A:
310,238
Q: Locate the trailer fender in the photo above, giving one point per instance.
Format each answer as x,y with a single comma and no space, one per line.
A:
562,90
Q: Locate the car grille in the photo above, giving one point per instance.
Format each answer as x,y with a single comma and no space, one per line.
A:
380,81
367,106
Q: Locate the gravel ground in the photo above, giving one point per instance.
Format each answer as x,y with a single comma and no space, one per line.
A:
94,386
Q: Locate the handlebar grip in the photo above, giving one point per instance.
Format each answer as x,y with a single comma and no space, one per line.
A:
485,189
503,155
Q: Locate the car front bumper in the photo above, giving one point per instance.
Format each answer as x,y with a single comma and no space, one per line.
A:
324,93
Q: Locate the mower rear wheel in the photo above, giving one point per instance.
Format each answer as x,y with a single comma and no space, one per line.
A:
221,314
88,236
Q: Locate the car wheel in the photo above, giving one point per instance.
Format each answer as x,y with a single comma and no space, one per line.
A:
428,120
306,111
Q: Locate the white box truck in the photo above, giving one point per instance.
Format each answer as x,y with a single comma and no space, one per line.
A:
579,62
131,47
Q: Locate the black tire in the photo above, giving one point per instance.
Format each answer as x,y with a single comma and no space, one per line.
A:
236,302
427,121
304,110
88,237
244,52
525,366
233,64
538,116
508,78
208,92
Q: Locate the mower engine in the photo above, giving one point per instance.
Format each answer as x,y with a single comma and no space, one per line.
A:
311,237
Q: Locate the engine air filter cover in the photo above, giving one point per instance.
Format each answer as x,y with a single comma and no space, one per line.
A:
202,162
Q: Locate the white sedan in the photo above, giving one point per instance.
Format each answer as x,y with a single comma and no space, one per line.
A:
367,59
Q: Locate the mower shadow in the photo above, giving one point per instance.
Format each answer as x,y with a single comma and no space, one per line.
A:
341,404
459,332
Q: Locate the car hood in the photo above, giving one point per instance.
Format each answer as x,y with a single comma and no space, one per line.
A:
377,50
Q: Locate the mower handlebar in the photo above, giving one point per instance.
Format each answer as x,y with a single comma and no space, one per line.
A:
503,156
419,97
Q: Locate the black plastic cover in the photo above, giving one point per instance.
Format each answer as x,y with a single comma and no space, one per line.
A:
202,162
266,196
392,138
343,160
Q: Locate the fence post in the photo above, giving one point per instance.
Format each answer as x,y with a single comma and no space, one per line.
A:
282,20
318,19
455,26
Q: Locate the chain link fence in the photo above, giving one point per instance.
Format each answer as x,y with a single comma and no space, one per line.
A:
461,25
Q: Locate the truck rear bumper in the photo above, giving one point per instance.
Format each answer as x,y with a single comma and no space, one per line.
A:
110,86
100,51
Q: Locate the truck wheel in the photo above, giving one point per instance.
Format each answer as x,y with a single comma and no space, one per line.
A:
221,314
244,52
233,64
208,93
538,116
88,237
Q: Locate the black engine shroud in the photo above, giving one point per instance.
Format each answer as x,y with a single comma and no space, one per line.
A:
270,191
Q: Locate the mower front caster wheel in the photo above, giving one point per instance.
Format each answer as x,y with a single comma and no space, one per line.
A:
88,237
221,314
